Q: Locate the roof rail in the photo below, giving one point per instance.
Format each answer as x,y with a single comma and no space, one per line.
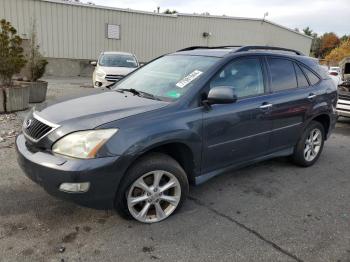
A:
243,48
191,48
252,47
206,47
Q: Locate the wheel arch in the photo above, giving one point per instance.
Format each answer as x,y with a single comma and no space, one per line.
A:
325,120
178,150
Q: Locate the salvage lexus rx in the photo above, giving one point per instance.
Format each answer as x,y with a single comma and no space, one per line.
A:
183,118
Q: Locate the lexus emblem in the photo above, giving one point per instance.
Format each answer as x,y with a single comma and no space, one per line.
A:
28,123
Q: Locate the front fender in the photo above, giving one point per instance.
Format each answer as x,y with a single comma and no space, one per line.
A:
140,134
186,137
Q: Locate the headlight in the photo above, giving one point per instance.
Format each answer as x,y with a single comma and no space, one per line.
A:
83,144
100,73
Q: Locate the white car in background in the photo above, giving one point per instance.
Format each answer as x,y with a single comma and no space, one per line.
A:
334,70
334,73
111,67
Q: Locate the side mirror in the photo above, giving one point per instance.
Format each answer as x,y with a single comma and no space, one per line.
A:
221,95
93,63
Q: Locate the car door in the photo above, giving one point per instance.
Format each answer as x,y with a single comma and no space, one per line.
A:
293,96
237,132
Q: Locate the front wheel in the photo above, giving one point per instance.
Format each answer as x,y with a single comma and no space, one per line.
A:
153,189
310,145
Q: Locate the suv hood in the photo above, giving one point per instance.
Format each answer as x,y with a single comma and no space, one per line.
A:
94,110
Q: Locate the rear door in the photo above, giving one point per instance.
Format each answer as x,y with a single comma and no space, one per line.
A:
293,95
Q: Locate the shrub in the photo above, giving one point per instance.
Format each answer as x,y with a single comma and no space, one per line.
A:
36,65
11,53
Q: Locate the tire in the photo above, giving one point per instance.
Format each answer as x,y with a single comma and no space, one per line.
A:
146,169
300,155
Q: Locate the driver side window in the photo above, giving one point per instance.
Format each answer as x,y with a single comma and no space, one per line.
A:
244,76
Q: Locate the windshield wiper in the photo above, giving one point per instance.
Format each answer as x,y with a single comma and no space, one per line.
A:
138,93
131,90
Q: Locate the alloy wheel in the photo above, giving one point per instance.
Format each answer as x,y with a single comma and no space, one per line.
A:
313,144
154,196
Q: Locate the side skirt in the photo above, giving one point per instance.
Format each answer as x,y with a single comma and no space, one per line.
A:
202,178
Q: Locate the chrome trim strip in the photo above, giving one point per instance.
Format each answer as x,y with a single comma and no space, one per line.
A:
46,122
259,134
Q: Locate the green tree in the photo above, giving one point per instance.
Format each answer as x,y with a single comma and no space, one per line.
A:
36,65
11,53
344,38
316,45
308,31
169,12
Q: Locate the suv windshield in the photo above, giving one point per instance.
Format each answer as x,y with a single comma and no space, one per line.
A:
117,60
168,77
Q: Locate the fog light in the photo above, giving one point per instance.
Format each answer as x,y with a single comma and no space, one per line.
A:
75,187
98,84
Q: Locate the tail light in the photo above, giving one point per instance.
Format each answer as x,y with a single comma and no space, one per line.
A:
333,73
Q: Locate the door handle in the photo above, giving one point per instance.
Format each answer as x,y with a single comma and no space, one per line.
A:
265,106
311,96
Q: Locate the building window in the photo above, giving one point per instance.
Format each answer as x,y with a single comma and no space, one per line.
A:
113,31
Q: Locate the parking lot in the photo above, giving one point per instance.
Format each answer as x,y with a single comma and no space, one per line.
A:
272,211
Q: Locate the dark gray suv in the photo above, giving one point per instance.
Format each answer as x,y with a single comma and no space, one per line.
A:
183,118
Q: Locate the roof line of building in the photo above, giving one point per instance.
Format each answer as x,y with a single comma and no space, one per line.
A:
175,15
249,19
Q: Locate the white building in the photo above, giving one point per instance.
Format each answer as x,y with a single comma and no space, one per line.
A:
71,34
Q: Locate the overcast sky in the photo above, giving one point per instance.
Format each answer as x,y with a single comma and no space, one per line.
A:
321,15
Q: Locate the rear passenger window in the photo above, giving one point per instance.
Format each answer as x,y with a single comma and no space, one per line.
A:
311,76
302,81
282,74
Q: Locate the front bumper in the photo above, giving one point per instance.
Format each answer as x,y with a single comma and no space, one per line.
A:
50,171
101,82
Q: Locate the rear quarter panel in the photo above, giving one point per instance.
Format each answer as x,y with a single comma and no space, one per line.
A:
325,102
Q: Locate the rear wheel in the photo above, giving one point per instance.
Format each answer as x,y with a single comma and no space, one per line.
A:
153,188
310,145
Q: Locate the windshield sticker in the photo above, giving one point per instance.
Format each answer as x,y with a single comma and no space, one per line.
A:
173,94
188,79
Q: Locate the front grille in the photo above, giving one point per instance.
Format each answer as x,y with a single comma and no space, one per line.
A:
113,78
36,129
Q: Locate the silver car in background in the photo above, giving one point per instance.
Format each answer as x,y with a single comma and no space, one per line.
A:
111,67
